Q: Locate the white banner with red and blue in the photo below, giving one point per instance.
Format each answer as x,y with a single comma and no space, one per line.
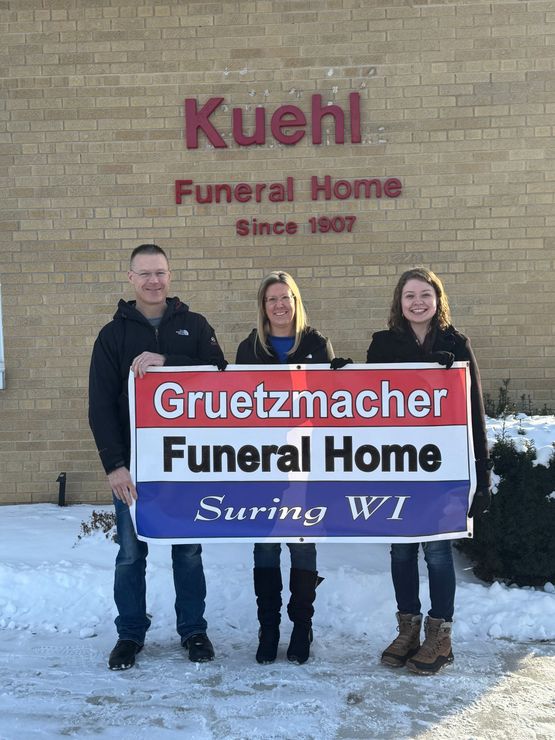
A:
302,453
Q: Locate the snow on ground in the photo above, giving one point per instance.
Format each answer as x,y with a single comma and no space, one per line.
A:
56,631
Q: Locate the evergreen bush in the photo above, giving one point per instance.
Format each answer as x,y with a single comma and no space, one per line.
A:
515,540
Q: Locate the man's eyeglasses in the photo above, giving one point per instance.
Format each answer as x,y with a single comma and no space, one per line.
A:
158,274
273,300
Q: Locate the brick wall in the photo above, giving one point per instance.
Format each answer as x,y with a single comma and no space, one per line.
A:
457,101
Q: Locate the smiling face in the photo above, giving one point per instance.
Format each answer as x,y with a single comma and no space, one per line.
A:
418,304
150,277
279,305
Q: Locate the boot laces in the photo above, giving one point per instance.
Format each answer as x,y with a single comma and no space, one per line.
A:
432,642
429,647
405,634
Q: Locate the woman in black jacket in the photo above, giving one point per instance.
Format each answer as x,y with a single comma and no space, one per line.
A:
283,336
420,330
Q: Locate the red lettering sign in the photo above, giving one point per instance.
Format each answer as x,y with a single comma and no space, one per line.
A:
197,120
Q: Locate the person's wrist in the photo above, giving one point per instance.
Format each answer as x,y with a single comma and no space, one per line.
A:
116,466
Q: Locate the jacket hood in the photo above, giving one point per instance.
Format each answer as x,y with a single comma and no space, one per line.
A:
128,309
445,339
310,339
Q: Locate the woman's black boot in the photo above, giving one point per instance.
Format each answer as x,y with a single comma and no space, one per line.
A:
300,609
267,587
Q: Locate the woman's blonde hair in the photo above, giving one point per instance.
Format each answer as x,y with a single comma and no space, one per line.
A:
442,318
263,324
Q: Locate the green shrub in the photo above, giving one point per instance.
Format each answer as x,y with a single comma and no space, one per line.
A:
515,540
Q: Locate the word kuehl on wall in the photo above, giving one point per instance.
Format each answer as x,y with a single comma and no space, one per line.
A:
288,126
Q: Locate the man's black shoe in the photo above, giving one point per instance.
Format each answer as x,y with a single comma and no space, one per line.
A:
123,655
199,647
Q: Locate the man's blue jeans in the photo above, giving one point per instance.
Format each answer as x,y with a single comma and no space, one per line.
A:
441,575
267,555
132,621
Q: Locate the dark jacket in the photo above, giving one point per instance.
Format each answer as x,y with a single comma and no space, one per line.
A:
184,337
393,346
313,348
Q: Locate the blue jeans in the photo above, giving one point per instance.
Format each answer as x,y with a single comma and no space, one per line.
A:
441,576
267,555
133,621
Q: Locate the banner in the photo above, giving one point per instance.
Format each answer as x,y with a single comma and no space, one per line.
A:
302,453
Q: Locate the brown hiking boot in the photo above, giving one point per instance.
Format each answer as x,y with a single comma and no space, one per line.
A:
436,648
406,644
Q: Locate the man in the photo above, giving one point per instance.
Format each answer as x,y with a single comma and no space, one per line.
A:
151,331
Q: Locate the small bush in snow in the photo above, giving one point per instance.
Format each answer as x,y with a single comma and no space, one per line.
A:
100,521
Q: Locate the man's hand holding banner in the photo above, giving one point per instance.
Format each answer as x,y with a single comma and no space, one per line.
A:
378,453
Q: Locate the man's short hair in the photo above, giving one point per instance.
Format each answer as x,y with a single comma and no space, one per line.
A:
148,249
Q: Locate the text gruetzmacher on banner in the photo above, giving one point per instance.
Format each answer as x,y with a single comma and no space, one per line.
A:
302,453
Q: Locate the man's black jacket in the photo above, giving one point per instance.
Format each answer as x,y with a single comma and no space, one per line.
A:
183,337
